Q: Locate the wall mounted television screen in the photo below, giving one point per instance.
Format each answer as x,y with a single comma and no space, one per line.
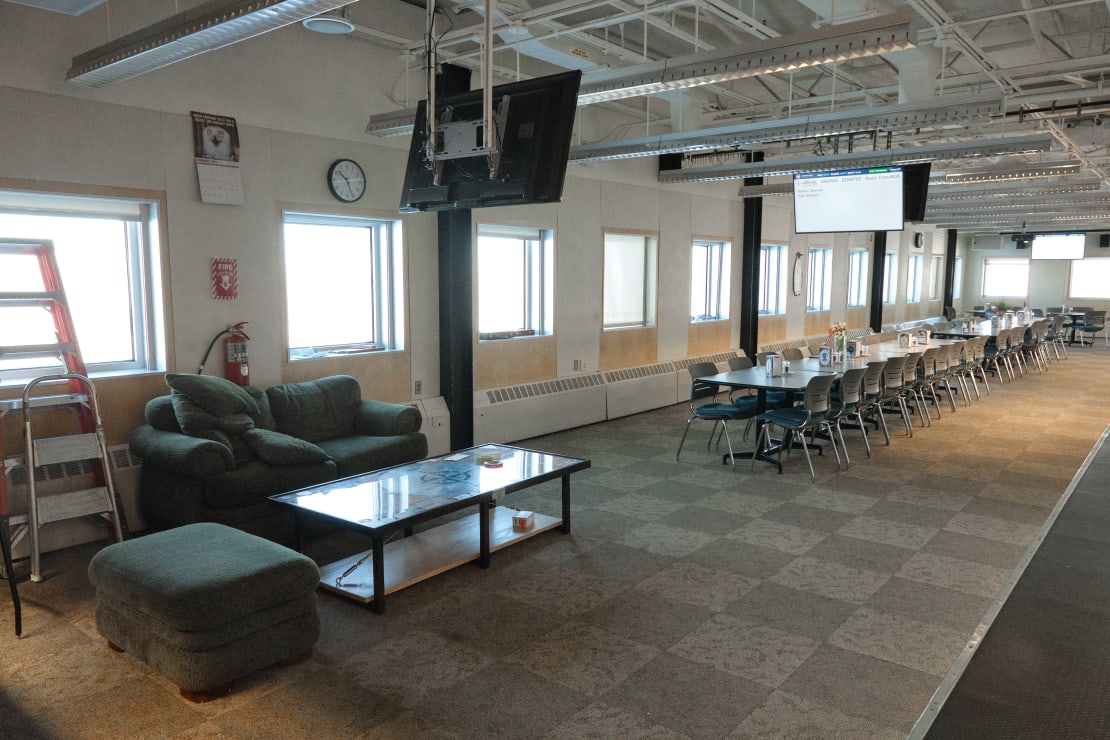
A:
915,190
538,117
867,199
1058,246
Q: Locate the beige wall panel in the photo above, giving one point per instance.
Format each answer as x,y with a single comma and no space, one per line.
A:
513,361
708,337
817,323
772,329
628,348
857,316
383,376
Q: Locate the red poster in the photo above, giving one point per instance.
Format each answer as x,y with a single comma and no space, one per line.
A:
225,279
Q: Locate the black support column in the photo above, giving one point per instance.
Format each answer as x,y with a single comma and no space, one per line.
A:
456,330
878,271
751,244
949,266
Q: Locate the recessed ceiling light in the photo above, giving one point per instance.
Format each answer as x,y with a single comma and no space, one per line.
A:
329,24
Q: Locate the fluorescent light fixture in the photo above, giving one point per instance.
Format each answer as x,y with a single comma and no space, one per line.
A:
782,54
1005,174
206,27
1007,190
330,25
955,109
393,123
759,191
882,158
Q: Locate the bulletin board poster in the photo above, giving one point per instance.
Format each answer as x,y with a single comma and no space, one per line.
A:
216,150
225,279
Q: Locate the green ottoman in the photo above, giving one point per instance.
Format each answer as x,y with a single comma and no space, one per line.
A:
205,604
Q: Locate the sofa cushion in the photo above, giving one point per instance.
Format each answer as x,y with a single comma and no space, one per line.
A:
160,415
252,482
316,410
264,419
275,448
215,395
358,454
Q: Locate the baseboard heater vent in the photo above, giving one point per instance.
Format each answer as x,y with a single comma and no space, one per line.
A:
544,388
122,457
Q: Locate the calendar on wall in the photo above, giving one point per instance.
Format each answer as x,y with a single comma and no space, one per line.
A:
216,150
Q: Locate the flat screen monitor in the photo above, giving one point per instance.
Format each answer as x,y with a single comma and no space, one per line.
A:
533,141
1058,246
867,199
915,190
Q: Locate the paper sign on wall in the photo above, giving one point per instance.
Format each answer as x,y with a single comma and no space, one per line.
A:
225,278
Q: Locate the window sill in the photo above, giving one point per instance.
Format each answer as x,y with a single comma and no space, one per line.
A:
496,336
321,354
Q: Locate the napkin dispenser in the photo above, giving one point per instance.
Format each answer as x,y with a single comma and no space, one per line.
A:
774,365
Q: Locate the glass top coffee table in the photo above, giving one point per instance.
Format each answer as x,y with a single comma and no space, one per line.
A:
391,500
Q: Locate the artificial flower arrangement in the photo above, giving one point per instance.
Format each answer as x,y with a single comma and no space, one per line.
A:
838,328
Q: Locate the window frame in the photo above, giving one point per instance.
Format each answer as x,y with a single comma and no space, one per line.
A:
716,278
538,278
957,278
936,290
989,262
819,279
890,278
649,288
858,265
1085,267
386,283
144,231
773,279
913,278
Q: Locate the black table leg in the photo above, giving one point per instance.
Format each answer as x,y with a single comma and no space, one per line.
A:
566,504
378,604
483,534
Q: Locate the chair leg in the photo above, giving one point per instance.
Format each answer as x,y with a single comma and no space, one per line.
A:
683,440
809,460
6,547
728,441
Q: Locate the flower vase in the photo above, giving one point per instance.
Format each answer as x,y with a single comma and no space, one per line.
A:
839,342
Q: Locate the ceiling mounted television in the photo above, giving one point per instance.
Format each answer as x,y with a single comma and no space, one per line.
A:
533,119
915,190
1058,246
866,199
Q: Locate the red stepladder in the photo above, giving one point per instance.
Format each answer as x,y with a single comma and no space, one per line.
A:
68,390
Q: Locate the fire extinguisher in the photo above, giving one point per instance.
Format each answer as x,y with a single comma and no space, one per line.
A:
236,364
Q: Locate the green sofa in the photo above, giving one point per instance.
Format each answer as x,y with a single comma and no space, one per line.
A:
213,452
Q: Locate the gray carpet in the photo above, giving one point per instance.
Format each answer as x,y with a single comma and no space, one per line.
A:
691,600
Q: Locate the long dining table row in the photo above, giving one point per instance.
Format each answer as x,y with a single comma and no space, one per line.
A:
795,380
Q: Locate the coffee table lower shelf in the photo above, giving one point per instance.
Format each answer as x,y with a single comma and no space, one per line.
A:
420,556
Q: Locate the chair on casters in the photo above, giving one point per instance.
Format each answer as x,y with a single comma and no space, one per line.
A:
713,410
814,415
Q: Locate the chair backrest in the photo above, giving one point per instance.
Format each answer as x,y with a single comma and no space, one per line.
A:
956,353
761,358
892,372
851,385
1058,323
740,363
698,388
949,313
940,359
873,377
1095,318
817,393
1082,309
909,370
928,361
793,353
1038,312
1054,309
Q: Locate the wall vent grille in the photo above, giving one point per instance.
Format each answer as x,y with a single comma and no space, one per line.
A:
544,388
121,456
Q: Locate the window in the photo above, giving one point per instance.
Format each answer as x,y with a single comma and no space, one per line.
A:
108,259
857,278
890,277
516,268
629,281
1090,278
937,278
1005,278
820,280
356,263
772,279
957,278
913,279
711,267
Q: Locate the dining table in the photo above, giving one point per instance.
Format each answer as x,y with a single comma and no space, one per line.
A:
761,381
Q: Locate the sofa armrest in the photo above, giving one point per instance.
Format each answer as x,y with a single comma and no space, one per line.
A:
379,418
181,454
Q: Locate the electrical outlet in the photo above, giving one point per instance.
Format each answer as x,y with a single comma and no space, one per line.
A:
418,387
582,365
577,365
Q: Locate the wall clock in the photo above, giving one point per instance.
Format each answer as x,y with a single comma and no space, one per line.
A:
346,180
798,273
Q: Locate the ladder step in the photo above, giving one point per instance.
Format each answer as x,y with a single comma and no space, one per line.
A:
25,298
38,350
70,448
62,399
59,507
